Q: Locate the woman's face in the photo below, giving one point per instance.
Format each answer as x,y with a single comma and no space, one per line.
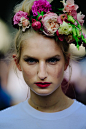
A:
42,64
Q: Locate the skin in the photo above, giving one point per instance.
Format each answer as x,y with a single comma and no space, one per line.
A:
42,61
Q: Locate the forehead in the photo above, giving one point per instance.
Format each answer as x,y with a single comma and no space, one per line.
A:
40,45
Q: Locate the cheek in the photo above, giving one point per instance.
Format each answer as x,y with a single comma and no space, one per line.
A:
28,73
60,72
57,71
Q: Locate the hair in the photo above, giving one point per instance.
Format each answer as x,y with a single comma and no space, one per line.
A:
26,6
20,37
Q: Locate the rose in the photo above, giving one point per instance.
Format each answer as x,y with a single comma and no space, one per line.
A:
17,17
24,23
65,28
50,24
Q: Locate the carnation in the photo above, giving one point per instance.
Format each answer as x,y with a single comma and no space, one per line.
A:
39,6
50,24
17,17
65,28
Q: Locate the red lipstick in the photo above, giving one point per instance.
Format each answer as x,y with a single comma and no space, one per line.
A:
43,84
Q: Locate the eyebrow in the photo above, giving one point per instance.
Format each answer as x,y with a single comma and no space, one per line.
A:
55,56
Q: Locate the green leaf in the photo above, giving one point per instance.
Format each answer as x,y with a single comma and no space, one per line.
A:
74,32
78,25
60,9
39,14
78,32
56,38
83,39
71,19
77,46
41,29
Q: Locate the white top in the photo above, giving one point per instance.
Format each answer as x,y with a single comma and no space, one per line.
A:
23,116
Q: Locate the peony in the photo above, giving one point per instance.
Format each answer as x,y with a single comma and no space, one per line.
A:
69,6
50,24
80,18
65,28
39,6
18,15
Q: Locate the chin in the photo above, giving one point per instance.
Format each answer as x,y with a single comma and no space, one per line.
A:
43,92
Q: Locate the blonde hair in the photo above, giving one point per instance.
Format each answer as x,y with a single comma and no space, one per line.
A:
26,6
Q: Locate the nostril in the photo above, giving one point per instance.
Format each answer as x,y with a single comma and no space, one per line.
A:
42,75
42,70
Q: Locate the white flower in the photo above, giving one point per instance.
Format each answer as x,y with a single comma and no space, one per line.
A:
24,23
80,18
65,28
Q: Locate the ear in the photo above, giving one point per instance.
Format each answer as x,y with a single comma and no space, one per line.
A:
67,62
16,62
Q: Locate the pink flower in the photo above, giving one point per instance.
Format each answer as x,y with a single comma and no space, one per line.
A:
18,15
74,14
36,25
33,20
40,17
50,24
39,6
84,35
60,37
69,6
80,18
61,18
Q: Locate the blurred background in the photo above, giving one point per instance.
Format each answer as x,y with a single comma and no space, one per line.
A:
13,89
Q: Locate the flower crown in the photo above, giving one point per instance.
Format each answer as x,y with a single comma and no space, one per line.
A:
63,22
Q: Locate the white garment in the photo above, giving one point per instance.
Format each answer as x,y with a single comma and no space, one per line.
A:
23,116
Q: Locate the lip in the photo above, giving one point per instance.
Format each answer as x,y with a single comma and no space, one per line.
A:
43,84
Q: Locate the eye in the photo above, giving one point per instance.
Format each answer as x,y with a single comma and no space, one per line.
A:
53,60
31,61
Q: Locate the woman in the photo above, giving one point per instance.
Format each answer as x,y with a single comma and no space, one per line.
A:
42,55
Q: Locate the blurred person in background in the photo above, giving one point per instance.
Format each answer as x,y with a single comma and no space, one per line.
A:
42,55
78,75
5,40
12,89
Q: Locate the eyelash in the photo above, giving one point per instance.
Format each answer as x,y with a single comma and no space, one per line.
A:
51,61
31,60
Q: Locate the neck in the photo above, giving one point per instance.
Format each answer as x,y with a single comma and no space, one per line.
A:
54,102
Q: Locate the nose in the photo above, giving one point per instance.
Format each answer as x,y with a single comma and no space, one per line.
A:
42,70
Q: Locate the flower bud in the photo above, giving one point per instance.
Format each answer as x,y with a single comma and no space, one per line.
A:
36,25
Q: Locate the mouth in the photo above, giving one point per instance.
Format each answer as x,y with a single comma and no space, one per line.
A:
43,84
